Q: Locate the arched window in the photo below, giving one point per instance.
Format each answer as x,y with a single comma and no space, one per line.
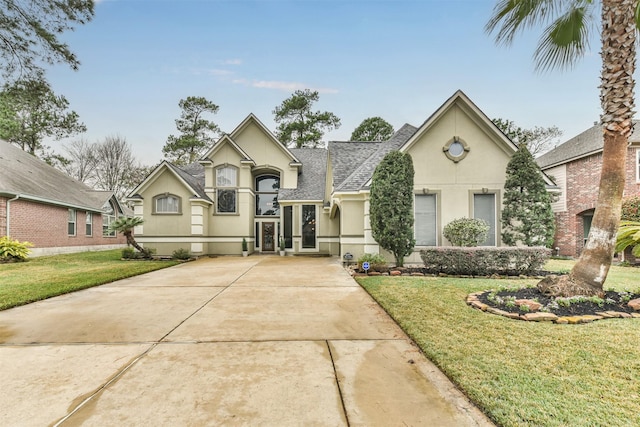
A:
267,187
166,204
226,191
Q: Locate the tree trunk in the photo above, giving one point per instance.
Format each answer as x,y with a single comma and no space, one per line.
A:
617,98
131,241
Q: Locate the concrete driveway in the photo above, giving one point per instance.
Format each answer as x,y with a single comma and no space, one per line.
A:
259,341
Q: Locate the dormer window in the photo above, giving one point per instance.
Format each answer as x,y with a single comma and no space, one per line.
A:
166,204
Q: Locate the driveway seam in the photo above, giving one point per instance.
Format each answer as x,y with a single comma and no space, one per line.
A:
103,387
335,375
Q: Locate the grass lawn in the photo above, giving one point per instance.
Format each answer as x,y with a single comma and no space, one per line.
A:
522,373
45,277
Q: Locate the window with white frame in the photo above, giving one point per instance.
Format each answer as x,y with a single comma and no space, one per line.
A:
108,217
88,228
71,223
425,220
166,204
226,192
637,164
484,207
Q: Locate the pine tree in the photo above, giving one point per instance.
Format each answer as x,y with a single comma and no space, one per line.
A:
527,218
391,205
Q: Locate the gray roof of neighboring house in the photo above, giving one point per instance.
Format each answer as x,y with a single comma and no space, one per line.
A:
193,174
24,174
353,163
311,182
588,142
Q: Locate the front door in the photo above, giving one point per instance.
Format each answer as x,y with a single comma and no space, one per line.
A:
268,236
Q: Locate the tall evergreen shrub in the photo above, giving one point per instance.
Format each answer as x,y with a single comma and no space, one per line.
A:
391,205
527,218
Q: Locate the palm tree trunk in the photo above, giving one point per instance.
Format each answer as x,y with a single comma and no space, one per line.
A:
131,241
617,98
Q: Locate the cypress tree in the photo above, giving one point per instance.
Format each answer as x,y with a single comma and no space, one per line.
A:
391,205
527,218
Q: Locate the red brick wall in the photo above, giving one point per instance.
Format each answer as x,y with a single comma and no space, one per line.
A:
583,177
46,226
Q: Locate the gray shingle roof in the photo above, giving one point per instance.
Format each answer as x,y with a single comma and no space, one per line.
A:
353,163
193,174
588,142
26,175
311,182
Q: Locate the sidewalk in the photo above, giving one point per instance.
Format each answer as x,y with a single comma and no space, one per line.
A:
258,341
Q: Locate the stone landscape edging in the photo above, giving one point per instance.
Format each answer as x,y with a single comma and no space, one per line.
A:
473,301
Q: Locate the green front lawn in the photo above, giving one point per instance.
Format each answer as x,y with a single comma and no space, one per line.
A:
45,277
522,373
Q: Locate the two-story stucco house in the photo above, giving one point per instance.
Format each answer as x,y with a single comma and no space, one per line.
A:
249,185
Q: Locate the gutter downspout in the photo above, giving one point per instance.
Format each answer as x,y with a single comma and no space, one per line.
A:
8,233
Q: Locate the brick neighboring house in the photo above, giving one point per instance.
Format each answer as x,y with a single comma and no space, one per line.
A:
575,166
48,208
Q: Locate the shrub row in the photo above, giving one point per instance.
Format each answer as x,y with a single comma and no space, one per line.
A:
484,261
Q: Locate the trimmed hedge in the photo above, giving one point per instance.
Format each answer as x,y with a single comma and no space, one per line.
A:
484,261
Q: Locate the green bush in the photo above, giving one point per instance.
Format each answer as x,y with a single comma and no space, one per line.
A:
182,254
376,262
629,235
129,253
466,231
631,209
484,261
13,250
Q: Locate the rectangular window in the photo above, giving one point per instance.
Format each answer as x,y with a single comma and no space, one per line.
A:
89,224
308,226
484,207
288,227
226,177
71,223
425,220
257,235
168,204
226,201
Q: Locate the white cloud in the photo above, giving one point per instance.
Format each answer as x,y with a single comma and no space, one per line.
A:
234,61
280,85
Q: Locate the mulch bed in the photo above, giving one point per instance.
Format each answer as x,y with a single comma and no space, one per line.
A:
612,302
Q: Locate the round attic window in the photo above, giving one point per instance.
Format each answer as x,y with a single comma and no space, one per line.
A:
456,149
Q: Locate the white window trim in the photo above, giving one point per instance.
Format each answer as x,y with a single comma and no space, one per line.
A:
164,196
88,221
73,221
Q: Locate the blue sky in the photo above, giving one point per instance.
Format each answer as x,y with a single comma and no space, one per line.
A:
396,59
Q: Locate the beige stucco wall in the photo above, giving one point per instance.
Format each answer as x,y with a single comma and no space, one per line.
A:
166,224
484,166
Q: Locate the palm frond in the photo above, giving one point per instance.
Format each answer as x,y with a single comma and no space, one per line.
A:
512,16
565,41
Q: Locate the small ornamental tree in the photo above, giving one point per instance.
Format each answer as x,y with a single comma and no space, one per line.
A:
527,218
391,205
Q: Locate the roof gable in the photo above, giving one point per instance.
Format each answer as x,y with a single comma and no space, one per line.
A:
227,140
192,178
461,100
